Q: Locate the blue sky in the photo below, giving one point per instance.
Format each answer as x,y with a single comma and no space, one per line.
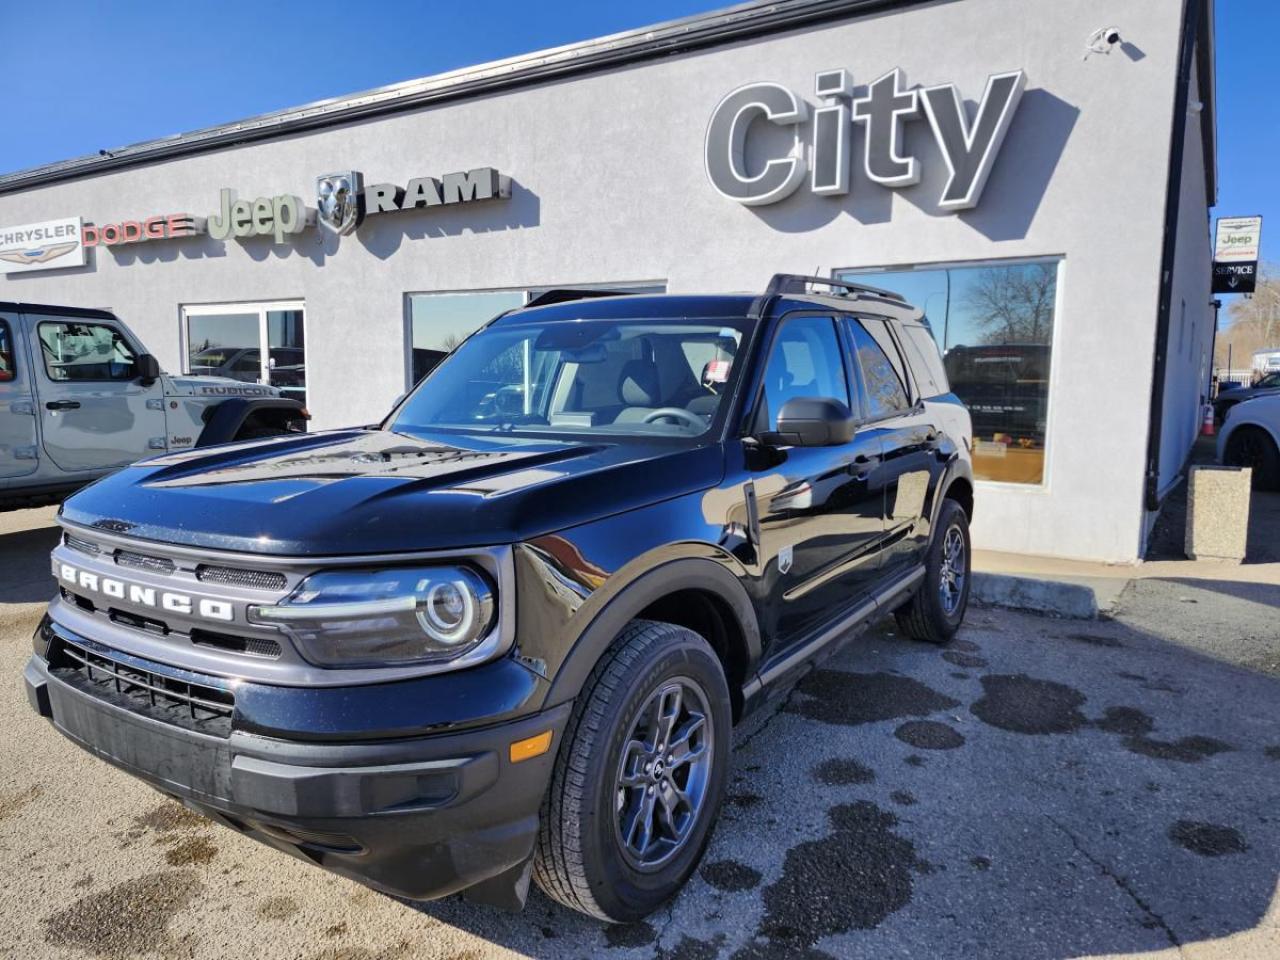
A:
146,69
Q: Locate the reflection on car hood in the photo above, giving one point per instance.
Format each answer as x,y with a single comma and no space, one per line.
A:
370,491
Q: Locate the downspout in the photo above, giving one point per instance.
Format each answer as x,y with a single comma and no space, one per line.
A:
1172,203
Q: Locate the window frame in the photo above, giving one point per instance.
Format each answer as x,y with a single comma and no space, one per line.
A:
53,318
913,401
1061,280
260,307
752,426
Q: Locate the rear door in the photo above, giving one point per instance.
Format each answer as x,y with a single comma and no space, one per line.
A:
94,412
909,440
18,450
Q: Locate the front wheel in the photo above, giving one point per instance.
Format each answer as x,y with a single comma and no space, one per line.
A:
639,778
1252,447
934,614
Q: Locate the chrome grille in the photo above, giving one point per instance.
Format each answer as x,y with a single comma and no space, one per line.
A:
239,577
141,561
81,544
195,706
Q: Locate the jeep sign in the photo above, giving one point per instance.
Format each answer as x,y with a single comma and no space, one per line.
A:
969,148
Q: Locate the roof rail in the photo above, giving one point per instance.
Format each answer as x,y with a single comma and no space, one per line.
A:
567,294
797,283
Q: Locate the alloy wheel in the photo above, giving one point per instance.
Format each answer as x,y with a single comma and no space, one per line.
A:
952,572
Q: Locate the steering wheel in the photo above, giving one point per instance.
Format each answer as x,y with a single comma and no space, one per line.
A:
676,413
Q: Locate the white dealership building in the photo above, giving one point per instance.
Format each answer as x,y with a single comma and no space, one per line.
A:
1036,176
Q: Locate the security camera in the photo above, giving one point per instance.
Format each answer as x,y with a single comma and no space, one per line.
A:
1101,41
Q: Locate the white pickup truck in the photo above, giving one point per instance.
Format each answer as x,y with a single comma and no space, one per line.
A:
81,397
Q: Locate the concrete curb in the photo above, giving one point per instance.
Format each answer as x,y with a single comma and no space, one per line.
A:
1076,601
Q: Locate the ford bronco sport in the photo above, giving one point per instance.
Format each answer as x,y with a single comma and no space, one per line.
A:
505,634
80,397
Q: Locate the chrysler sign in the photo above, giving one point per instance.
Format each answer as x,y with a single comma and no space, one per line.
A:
47,245
822,148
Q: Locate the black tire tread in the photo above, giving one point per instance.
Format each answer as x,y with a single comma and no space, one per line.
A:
914,618
558,867
1267,478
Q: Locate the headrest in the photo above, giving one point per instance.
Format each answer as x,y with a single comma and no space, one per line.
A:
638,385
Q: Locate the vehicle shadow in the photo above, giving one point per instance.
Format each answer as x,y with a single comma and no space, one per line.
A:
24,565
1036,789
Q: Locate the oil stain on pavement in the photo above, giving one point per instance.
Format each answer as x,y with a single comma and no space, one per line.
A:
730,875
1136,726
1207,839
842,771
131,917
879,696
1022,704
929,735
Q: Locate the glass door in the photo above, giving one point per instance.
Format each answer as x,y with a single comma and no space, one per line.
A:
250,342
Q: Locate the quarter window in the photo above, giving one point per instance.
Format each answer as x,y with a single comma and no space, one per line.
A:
7,367
886,394
75,351
804,362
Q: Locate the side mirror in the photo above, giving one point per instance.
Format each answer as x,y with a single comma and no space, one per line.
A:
813,422
148,368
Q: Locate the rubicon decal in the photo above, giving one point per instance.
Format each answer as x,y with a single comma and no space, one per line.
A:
155,598
968,146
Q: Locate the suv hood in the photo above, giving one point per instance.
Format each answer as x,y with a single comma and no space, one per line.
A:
375,491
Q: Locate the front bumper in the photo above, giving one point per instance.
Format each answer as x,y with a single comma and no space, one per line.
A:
419,817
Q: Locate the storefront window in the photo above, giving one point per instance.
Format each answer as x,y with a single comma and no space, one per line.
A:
250,342
994,325
438,322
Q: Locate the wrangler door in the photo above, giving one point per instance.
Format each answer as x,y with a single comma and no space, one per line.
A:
18,450
95,412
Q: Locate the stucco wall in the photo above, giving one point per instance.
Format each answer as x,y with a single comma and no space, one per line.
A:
610,187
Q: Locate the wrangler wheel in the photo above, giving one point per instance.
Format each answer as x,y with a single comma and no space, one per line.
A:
639,777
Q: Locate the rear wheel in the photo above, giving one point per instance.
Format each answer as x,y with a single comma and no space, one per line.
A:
639,777
936,611
1252,447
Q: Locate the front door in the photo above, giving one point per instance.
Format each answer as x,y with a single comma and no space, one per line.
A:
95,414
17,408
820,508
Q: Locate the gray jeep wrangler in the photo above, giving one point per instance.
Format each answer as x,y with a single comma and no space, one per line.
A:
81,397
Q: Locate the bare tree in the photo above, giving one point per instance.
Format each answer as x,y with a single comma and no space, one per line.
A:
1014,304
450,342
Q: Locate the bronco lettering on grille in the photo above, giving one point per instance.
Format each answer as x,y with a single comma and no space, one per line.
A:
146,596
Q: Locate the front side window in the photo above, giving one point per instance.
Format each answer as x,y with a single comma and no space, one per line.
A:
620,378
882,379
7,367
803,362
76,351
994,325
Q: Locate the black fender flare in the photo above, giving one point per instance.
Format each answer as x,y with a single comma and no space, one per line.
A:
672,577
225,420
957,469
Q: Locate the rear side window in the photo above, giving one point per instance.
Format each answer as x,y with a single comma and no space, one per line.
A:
7,366
886,392
926,361
75,351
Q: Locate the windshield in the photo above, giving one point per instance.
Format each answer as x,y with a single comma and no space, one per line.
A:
621,378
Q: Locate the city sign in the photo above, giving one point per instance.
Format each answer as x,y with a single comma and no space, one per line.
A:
1235,254
47,245
968,147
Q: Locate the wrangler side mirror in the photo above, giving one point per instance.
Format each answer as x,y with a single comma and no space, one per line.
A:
812,422
148,368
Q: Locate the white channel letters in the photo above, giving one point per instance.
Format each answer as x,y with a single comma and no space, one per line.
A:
166,600
968,148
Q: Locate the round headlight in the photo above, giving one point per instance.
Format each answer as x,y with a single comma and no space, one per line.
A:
448,611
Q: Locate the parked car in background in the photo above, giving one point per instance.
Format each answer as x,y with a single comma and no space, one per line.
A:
1267,385
80,397
1250,437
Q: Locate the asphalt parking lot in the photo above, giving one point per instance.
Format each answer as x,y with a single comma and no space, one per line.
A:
1040,788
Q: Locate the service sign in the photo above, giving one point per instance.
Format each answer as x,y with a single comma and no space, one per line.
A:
48,245
1235,254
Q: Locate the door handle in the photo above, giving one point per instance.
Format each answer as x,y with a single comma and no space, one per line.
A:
62,405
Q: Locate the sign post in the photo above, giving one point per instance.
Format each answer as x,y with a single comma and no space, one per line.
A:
1235,254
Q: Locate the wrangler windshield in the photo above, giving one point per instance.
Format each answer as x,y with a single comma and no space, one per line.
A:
622,378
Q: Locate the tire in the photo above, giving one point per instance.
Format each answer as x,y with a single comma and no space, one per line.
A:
1253,447
926,616
581,859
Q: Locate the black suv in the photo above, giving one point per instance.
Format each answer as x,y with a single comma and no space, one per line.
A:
506,633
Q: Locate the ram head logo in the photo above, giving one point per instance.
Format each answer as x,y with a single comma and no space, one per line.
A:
340,201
